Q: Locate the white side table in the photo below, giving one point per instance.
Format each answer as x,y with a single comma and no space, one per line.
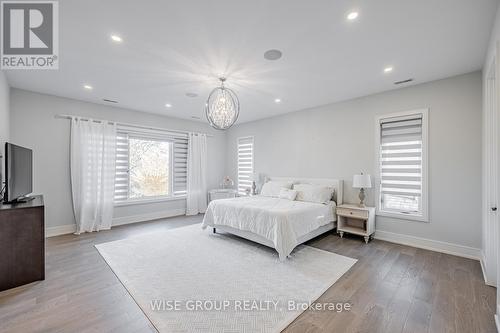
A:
356,220
222,193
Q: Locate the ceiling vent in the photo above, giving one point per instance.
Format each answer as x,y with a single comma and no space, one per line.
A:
109,100
403,81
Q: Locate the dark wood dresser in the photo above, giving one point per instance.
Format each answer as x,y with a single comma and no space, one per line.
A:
22,243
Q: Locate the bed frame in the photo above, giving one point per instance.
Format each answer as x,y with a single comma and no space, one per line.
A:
337,184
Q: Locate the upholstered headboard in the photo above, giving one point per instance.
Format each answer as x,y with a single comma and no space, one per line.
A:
337,184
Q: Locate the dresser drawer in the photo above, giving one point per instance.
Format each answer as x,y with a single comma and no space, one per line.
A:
354,213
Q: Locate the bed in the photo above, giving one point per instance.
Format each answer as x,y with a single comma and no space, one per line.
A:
278,223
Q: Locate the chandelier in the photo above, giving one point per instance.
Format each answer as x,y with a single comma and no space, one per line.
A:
223,107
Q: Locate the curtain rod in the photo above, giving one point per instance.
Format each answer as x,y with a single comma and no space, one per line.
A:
67,116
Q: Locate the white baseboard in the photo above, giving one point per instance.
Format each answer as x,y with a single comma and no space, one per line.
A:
71,228
483,269
429,244
60,230
497,322
423,243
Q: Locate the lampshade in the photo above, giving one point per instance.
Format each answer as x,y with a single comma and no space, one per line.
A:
361,181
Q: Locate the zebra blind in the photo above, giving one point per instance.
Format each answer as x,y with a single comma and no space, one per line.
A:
122,161
245,164
179,160
180,165
401,164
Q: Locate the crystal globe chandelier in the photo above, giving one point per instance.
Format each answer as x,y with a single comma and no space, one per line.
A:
223,107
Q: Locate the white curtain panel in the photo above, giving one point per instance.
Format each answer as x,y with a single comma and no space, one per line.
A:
93,154
197,174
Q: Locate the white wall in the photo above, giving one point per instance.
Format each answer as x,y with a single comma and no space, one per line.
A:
337,141
33,125
4,115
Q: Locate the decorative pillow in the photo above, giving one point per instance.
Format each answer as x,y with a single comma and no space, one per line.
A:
272,188
286,193
313,193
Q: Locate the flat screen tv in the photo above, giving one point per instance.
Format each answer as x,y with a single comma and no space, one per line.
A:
18,173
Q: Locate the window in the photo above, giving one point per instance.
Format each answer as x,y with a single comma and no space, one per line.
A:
150,165
245,164
402,165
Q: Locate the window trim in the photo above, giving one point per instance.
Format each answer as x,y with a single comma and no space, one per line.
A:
150,135
425,167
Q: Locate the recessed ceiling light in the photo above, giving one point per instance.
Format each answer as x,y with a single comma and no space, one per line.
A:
352,16
195,117
168,105
88,87
116,38
272,54
190,94
277,100
388,69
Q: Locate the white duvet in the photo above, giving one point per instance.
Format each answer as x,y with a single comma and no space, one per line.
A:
280,221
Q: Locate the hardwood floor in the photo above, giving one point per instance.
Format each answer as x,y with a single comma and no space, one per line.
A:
392,288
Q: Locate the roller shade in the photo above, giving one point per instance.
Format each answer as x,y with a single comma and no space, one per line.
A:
245,163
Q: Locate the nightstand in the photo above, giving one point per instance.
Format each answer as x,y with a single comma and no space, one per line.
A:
222,193
356,220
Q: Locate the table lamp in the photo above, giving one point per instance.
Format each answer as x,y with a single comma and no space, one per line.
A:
361,181
253,177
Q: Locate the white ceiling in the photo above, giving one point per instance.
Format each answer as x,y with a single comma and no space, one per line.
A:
174,47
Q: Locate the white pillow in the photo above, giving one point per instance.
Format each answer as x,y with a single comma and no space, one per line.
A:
272,188
286,193
313,193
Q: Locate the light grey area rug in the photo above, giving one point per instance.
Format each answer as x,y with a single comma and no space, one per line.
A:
190,280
